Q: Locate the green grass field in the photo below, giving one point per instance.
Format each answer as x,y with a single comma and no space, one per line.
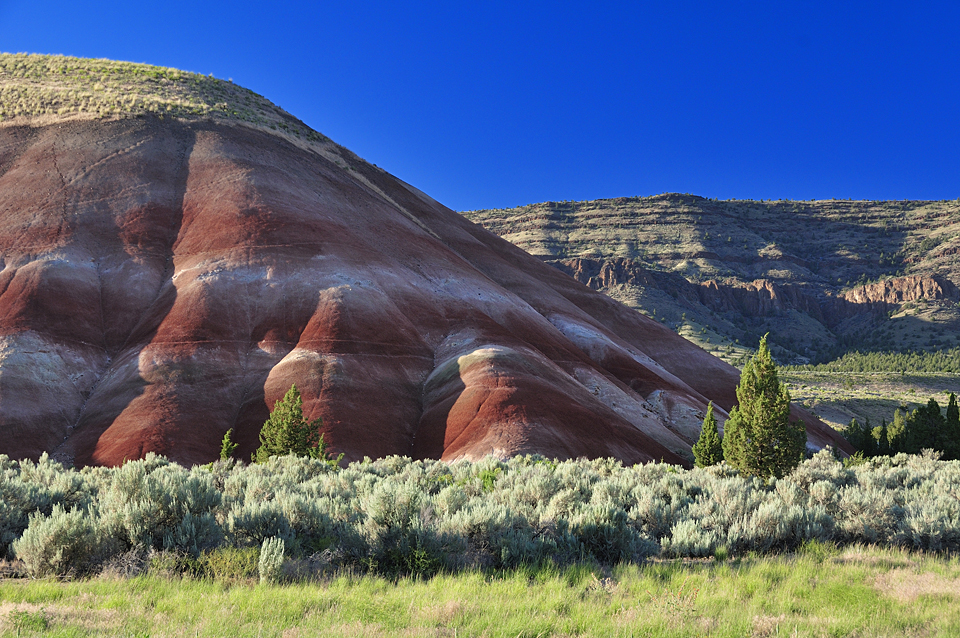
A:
819,591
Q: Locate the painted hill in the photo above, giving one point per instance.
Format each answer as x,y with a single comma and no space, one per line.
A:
177,251
824,277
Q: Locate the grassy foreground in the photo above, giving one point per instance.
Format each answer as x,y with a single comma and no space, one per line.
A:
819,591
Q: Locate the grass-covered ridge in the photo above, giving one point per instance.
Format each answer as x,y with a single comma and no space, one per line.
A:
50,86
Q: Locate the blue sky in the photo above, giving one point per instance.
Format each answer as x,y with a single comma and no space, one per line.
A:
499,104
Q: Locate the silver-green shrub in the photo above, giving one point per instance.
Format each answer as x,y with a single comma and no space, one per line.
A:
63,543
162,505
400,516
27,487
271,560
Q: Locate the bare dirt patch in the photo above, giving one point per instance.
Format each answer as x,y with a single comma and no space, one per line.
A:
906,585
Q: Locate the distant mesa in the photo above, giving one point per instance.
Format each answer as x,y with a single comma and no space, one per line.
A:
822,277
177,251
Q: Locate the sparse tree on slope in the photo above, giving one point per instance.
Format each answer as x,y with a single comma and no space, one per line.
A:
759,438
287,432
708,450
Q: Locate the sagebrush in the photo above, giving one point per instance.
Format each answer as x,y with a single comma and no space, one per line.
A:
399,516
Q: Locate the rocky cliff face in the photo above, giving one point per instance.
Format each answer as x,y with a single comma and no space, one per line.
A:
762,297
899,290
757,298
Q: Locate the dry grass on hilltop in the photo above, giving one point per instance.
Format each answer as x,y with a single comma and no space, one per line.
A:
56,86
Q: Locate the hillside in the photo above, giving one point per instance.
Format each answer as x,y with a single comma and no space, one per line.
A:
177,251
823,277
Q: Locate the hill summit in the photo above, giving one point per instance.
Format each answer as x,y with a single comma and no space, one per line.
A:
177,252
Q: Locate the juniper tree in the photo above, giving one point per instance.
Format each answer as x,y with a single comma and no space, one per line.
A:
953,411
924,428
952,428
759,438
895,431
880,434
861,437
227,446
708,449
287,432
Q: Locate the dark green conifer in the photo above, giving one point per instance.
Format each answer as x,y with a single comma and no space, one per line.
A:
895,431
861,437
759,438
287,432
951,429
708,450
881,436
924,429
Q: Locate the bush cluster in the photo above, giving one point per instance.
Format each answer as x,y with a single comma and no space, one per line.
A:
398,516
936,362
927,427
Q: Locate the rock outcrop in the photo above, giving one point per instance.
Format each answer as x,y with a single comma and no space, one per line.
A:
734,270
883,295
762,297
758,298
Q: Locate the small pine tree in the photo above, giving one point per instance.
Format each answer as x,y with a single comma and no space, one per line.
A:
861,437
895,432
227,446
287,432
869,443
924,428
708,449
759,438
881,436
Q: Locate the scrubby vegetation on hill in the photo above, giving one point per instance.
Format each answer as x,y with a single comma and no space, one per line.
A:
396,515
57,85
942,361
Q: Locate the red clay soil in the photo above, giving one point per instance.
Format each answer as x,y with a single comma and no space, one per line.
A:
164,281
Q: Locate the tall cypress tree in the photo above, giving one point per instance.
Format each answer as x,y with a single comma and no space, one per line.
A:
708,450
759,438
